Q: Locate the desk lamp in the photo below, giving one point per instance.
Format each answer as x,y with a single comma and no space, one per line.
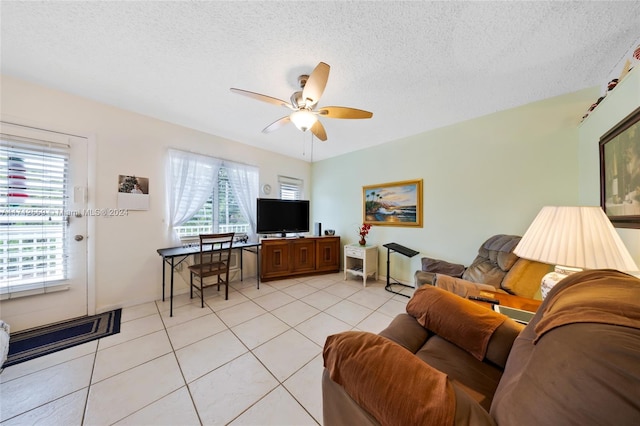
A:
573,238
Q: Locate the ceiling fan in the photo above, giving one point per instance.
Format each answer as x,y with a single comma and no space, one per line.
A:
303,104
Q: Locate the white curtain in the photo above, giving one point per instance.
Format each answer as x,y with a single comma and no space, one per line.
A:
244,182
191,179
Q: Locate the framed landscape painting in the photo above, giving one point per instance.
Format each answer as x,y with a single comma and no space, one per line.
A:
393,204
620,172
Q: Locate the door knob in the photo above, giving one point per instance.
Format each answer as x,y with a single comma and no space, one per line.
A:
78,238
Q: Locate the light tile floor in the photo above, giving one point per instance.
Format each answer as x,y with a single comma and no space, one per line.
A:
255,359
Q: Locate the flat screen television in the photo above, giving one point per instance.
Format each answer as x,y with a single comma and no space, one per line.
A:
282,216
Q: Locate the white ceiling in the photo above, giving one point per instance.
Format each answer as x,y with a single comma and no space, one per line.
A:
416,65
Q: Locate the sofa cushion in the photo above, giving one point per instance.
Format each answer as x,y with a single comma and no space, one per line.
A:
468,411
442,267
478,379
462,287
524,277
494,260
460,321
364,364
499,249
501,342
407,332
339,409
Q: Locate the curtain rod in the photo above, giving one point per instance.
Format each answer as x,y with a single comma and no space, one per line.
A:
42,129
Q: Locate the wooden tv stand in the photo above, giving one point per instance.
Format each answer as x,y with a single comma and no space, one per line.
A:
288,257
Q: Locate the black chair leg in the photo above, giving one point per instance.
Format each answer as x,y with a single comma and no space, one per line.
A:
191,285
201,293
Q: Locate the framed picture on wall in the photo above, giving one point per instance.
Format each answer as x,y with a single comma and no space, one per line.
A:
393,204
133,192
620,172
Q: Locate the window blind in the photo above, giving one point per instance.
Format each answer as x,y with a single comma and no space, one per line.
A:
290,188
33,220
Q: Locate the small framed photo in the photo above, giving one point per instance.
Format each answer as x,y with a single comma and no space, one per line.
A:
133,185
620,172
133,192
393,204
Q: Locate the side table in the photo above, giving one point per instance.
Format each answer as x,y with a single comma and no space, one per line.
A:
509,300
523,308
361,261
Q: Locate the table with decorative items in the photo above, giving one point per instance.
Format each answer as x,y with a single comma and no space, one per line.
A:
520,309
489,298
361,260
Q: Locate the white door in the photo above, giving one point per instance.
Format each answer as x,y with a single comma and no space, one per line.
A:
43,227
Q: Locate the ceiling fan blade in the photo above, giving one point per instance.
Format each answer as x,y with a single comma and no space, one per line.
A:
344,112
263,98
316,83
318,130
276,124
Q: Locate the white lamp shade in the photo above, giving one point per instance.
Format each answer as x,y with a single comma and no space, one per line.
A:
303,119
579,237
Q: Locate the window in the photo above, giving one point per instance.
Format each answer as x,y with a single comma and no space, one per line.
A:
33,226
290,188
210,195
220,213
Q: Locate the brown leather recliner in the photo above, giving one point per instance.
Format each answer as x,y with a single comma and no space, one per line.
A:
495,268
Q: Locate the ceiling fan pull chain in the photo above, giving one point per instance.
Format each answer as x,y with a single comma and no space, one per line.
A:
304,145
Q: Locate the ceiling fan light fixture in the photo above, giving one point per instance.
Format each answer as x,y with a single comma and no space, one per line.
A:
303,104
303,119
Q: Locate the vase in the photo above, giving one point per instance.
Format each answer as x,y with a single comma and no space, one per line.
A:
362,241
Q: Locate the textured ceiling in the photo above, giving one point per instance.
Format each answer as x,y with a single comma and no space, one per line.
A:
416,65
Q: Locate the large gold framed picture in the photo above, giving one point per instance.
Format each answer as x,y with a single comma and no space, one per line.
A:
393,204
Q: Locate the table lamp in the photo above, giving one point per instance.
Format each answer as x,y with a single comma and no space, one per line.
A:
573,238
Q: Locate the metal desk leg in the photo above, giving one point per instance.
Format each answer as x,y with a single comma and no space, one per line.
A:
163,276
388,265
258,266
241,268
388,286
171,296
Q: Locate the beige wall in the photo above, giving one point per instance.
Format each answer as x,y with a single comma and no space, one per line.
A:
482,177
618,104
126,267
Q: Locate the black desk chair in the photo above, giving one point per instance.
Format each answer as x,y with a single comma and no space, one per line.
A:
213,261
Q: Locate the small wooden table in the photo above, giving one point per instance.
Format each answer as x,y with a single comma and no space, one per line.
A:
509,300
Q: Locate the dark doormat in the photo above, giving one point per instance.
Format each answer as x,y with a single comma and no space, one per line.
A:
36,342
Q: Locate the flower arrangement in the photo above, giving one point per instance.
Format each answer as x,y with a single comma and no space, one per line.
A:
363,231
